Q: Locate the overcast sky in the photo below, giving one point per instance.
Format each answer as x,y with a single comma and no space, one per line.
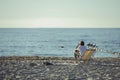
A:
59,13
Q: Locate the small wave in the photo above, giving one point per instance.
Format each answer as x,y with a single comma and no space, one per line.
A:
45,54
2,50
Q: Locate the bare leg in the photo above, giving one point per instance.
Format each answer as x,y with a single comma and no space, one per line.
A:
76,58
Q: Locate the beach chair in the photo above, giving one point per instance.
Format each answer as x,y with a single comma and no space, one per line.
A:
87,56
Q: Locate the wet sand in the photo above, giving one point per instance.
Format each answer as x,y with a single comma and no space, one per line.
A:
60,68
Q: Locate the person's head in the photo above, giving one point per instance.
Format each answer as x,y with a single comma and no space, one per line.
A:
82,43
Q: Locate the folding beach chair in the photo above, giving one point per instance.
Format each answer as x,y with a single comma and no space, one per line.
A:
89,53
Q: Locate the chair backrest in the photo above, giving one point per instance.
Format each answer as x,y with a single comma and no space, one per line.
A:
87,55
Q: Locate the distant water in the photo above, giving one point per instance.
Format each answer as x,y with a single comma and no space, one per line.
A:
56,41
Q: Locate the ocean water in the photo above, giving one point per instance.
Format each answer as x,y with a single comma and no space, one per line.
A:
56,41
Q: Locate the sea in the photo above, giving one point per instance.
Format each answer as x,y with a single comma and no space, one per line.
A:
57,42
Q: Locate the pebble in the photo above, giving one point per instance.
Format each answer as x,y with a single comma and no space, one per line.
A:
99,69
33,64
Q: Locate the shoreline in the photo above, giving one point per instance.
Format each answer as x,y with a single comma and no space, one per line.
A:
32,68
50,57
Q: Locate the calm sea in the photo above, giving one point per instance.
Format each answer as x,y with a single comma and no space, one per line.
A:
56,41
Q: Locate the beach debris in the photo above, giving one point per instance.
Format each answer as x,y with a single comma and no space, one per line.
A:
48,63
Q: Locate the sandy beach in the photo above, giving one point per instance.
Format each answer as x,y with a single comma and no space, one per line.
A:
58,68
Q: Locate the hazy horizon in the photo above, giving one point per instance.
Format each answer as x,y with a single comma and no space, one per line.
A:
59,14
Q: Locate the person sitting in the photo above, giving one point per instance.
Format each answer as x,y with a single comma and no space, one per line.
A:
79,51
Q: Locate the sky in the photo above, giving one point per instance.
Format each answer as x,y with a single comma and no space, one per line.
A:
59,13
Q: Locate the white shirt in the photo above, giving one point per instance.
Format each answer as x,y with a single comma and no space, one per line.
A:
82,49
